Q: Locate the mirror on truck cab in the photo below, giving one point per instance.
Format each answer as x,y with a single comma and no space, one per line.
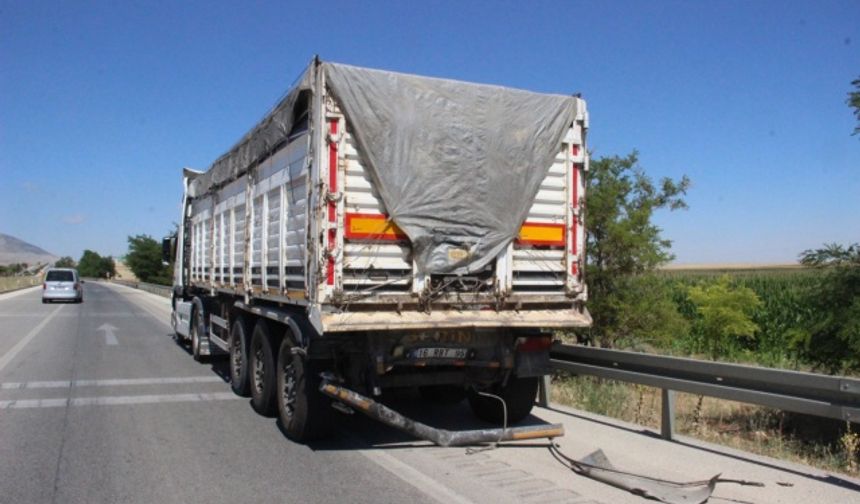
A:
167,246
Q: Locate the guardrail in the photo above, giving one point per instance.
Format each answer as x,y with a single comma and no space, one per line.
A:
813,394
158,289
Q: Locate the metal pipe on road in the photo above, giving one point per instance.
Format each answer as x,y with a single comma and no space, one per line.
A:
440,437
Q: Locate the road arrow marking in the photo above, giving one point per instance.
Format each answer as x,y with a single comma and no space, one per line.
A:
110,337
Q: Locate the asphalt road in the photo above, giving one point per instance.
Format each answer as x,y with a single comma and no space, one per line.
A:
149,424
99,404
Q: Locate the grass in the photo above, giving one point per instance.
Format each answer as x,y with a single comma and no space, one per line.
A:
822,443
17,282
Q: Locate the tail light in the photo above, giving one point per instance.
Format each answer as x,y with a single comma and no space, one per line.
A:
44,285
534,344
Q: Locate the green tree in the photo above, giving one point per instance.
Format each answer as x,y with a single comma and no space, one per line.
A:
724,315
65,262
144,260
645,313
93,265
853,101
108,266
829,334
623,245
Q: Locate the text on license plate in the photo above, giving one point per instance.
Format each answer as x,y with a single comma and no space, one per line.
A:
440,353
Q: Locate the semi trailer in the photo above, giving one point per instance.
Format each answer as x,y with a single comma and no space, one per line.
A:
378,230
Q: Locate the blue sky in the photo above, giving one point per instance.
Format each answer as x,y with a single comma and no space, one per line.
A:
102,103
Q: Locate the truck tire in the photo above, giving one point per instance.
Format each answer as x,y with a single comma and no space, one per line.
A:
519,396
239,376
304,412
442,394
196,326
261,367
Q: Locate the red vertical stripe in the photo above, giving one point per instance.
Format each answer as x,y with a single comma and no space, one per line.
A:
332,206
575,227
332,171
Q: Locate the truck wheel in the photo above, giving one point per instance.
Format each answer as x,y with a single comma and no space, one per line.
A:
239,377
442,394
261,367
305,413
519,396
195,335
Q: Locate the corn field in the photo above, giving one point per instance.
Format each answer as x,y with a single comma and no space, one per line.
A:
782,310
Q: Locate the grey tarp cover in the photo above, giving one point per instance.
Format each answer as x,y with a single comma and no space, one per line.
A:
457,165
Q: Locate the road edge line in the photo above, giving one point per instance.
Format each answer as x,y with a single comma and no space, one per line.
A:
13,352
9,294
408,474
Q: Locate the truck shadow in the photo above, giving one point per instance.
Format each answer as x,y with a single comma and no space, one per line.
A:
217,363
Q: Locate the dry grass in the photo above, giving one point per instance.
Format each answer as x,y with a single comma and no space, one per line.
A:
123,272
745,427
12,283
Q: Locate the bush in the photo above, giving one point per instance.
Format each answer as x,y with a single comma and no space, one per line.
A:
95,266
829,333
144,260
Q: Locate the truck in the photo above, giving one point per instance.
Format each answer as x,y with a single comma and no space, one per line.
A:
378,230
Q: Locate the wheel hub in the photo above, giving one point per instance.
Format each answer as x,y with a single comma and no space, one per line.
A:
237,358
288,394
258,370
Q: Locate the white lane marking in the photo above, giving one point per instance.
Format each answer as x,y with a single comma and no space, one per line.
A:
116,400
69,315
110,337
109,382
414,477
7,358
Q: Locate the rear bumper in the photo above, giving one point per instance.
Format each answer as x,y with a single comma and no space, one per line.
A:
383,321
72,294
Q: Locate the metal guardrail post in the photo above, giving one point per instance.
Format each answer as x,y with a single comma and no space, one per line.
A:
544,391
667,417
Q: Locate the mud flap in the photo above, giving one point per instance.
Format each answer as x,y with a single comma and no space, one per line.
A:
597,467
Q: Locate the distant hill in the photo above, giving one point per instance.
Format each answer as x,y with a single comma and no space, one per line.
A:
13,250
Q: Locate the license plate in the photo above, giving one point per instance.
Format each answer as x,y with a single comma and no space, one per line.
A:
440,353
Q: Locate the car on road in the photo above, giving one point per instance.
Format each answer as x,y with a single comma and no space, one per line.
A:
62,284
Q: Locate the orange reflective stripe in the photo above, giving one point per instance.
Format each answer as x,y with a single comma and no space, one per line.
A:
536,233
372,227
